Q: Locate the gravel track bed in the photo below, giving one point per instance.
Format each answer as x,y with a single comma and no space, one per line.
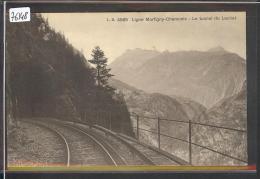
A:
157,158
38,147
83,151
129,155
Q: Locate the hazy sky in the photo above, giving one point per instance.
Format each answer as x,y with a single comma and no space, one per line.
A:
87,30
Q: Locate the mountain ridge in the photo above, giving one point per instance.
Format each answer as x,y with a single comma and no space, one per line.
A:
205,77
158,105
134,96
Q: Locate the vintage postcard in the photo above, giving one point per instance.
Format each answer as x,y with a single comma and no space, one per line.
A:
127,91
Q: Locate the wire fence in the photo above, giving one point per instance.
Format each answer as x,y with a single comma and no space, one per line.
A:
157,131
187,138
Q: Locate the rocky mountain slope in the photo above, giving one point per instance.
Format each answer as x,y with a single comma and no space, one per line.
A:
130,61
156,104
230,112
205,77
149,106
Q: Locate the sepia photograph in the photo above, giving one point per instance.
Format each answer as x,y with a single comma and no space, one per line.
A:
128,89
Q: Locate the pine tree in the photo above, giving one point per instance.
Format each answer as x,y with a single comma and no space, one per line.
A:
102,71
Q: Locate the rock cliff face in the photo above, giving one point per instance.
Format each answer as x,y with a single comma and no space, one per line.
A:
230,112
205,77
150,106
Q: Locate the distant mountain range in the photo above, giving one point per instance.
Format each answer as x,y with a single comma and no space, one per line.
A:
205,77
176,85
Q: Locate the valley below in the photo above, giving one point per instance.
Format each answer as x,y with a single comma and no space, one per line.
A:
202,87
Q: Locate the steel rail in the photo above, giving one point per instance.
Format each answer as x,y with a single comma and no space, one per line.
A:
58,134
120,137
141,155
161,152
96,141
183,140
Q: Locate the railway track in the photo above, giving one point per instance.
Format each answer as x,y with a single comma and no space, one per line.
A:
107,148
100,146
129,154
83,148
155,156
62,159
147,154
